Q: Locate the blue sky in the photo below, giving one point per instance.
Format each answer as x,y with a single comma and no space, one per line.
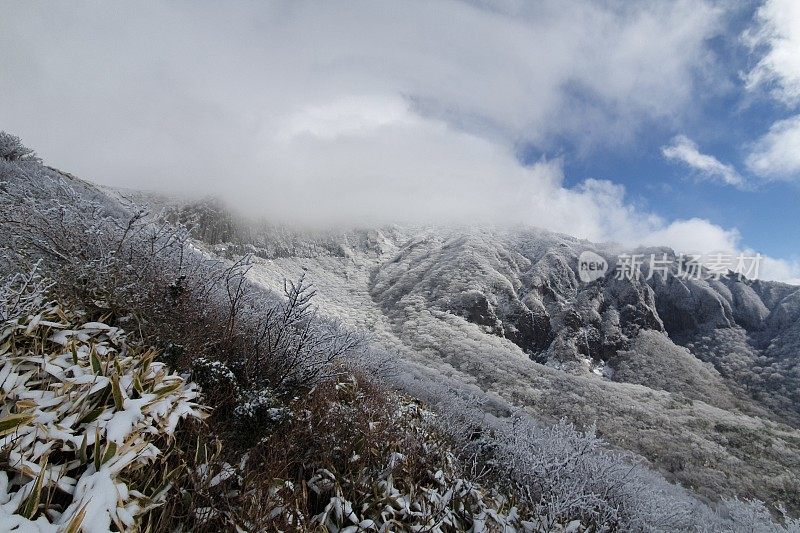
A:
725,121
671,123
767,217
766,213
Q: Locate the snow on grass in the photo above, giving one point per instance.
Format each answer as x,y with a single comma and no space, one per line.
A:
84,415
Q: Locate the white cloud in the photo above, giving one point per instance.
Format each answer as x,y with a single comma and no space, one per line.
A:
169,89
780,270
707,166
707,240
385,111
777,29
776,155
698,236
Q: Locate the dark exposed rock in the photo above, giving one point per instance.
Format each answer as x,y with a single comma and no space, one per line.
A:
687,306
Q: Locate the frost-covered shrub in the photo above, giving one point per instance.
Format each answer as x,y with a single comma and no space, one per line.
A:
260,409
208,220
752,516
566,473
12,149
252,412
84,422
21,294
217,379
562,474
371,461
116,258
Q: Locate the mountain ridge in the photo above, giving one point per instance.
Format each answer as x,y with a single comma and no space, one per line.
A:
602,354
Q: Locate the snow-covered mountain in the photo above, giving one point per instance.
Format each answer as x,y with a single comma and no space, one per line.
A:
700,376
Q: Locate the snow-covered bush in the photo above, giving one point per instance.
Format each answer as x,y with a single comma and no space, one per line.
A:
209,221
250,408
752,516
117,258
443,502
375,462
260,409
216,378
562,472
563,475
21,294
12,149
85,418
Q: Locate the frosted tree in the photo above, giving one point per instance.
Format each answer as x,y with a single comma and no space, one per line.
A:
12,149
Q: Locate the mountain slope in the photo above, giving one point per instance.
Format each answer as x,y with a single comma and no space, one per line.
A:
650,362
